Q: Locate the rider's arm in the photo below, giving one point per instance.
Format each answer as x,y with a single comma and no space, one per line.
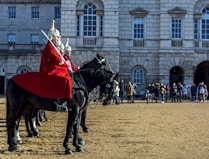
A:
61,63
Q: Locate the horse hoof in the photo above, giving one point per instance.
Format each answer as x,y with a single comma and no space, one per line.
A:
19,141
68,152
30,134
13,148
39,124
35,133
86,130
81,142
79,149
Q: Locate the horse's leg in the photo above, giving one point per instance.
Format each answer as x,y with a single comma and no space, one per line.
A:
33,121
78,139
17,134
27,125
12,130
38,118
44,115
72,119
83,121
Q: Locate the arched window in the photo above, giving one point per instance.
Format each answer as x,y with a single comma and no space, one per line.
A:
138,76
205,23
89,23
89,20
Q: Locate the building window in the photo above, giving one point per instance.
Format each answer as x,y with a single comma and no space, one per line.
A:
176,28
138,28
11,39
138,76
35,12
101,26
12,12
196,29
57,13
89,20
89,23
34,39
78,25
205,24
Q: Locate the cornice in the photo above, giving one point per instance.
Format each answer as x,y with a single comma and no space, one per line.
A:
30,1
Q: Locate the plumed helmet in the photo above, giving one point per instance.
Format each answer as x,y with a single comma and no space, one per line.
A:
67,47
62,46
53,32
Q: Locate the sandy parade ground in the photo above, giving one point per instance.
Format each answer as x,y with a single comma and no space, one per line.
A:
125,131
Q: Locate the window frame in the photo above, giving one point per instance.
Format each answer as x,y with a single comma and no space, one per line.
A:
205,16
98,21
179,34
138,75
12,12
57,13
11,39
90,21
35,12
141,29
196,26
35,36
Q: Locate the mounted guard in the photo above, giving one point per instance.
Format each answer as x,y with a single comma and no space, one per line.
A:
54,80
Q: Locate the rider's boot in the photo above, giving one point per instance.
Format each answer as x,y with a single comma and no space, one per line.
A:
61,107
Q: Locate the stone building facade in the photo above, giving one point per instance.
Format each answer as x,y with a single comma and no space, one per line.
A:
146,41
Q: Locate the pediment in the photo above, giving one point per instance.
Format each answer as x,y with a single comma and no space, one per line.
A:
139,12
177,10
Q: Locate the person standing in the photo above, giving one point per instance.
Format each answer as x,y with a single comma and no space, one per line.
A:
162,93
174,92
122,90
130,92
117,92
134,94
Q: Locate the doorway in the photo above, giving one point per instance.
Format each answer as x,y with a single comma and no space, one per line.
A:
176,75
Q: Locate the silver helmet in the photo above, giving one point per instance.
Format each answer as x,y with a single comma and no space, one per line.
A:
67,46
53,32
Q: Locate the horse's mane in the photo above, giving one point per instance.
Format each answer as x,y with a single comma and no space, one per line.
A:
94,76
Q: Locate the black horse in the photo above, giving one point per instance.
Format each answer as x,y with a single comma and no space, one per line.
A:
95,73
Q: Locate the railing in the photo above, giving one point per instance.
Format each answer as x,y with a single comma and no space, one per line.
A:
13,46
205,44
176,43
138,43
89,41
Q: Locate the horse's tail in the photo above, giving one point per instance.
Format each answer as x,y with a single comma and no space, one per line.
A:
7,109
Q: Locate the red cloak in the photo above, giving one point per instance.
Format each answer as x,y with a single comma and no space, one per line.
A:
53,80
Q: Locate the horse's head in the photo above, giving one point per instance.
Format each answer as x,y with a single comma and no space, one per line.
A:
99,73
107,89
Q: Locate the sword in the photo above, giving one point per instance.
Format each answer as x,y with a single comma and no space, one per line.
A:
53,45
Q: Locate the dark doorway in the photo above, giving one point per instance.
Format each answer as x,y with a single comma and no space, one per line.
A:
202,73
176,75
2,84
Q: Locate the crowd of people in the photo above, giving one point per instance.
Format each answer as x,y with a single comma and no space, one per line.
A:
177,92
159,92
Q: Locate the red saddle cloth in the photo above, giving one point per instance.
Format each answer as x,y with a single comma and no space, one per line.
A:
54,85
